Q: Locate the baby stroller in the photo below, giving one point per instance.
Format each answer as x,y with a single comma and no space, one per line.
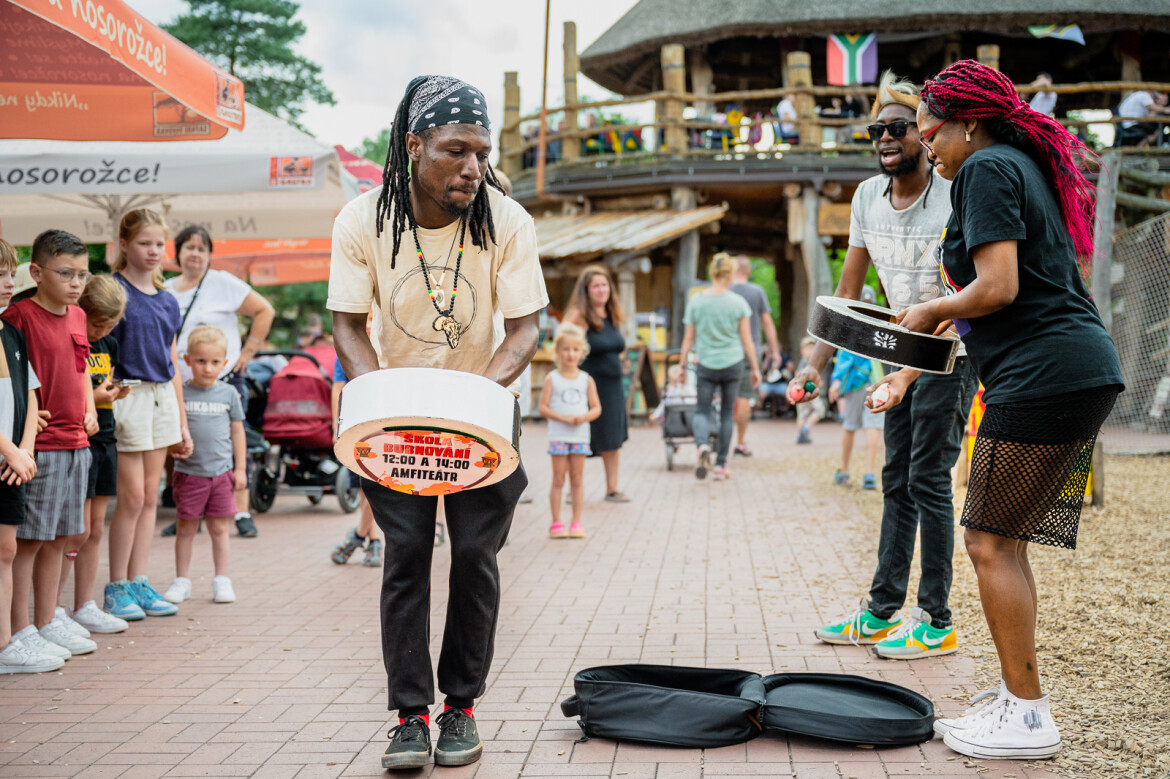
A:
677,412
296,421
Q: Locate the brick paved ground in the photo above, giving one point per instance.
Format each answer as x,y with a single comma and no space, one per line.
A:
287,682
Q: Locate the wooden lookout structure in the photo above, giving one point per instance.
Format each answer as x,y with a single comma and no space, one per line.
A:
655,200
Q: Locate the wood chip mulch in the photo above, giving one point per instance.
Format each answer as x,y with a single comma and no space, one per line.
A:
1103,633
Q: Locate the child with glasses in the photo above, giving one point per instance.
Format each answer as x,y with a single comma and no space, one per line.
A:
54,526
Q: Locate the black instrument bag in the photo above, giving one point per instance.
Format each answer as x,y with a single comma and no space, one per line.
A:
704,707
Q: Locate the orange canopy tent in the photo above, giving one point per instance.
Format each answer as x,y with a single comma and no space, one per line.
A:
80,70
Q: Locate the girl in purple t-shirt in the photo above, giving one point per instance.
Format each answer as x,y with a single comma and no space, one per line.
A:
151,419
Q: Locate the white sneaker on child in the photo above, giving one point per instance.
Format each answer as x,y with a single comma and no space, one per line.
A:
57,633
16,658
179,590
95,620
1013,728
221,589
31,640
73,627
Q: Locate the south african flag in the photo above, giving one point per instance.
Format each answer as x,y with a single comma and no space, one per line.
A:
852,59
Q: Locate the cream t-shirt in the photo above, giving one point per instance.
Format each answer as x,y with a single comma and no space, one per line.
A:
503,281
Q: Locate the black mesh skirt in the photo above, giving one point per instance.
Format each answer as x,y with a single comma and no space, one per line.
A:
1031,465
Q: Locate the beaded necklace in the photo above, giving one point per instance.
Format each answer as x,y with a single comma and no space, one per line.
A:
445,322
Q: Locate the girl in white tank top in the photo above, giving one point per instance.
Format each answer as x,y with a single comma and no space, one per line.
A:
569,402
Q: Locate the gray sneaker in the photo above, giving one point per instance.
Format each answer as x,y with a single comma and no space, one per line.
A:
459,742
410,745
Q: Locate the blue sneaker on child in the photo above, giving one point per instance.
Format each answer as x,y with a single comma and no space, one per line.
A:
120,602
150,600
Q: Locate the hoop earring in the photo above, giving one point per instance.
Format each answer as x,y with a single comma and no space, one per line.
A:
968,134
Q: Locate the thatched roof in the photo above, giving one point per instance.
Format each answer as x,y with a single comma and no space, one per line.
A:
639,35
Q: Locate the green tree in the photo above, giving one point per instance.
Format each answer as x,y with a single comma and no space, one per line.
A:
374,149
253,40
293,304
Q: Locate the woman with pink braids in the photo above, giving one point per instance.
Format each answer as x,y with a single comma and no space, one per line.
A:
1022,216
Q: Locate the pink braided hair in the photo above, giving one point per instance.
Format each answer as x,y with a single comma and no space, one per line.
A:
971,90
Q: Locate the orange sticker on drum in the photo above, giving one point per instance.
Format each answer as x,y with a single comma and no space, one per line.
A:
425,462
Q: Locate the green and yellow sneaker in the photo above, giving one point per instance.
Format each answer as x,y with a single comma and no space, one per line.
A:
860,627
918,638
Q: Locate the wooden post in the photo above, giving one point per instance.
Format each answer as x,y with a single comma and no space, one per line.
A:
953,51
510,141
1097,492
799,67
571,147
674,79
1103,235
1131,65
988,54
702,83
686,269
627,291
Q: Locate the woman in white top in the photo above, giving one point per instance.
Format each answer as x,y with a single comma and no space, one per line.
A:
217,298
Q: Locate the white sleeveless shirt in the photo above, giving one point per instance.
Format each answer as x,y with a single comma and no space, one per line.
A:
569,398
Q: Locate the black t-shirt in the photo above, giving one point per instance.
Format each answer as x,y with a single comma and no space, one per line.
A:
1050,339
103,358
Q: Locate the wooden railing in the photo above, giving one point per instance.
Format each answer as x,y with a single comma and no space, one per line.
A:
673,140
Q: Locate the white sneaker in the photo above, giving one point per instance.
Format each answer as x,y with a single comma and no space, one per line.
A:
1015,729
95,620
31,640
981,703
179,590
16,658
221,588
57,633
73,627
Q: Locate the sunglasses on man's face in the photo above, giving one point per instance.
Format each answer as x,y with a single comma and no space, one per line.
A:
897,129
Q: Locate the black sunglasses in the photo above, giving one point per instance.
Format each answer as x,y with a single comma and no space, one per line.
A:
897,129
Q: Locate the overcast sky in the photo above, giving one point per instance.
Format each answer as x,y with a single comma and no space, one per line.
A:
370,49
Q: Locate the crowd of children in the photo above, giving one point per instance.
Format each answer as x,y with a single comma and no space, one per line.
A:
91,403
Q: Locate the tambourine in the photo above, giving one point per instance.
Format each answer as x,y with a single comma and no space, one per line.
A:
428,431
871,331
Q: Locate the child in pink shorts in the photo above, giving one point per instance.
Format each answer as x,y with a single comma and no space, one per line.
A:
205,483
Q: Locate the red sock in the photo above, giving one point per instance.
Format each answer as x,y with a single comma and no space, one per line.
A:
468,711
424,717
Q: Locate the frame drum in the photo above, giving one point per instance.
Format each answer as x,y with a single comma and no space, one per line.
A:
871,331
428,431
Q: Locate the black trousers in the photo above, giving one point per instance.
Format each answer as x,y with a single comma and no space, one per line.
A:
477,526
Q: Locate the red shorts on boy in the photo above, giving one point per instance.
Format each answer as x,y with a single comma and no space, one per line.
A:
199,496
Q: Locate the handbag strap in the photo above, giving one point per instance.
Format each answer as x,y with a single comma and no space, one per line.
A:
194,297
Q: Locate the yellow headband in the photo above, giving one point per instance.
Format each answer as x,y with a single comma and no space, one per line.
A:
886,97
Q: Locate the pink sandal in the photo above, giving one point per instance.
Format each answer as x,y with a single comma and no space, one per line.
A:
576,530
557,530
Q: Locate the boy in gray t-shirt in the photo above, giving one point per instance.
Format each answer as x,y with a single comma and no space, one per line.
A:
205,483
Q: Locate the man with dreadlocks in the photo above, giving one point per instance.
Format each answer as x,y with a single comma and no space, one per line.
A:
1022,214
897,218
438,302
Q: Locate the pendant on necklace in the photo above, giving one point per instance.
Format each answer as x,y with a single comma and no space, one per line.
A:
440,298
449,327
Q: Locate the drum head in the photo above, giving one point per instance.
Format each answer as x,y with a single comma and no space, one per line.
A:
846,708
871,331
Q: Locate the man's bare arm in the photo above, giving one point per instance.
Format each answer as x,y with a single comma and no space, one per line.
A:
516,350
353,344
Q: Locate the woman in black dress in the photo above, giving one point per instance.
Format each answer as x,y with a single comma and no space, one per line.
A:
596,310
1022,214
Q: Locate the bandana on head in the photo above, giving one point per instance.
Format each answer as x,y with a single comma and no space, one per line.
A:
444,100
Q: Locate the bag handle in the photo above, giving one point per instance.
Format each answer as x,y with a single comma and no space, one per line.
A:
571,706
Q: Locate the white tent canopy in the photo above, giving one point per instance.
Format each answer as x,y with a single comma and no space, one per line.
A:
268,180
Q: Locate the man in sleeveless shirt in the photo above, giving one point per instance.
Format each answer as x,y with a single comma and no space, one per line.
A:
897,220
